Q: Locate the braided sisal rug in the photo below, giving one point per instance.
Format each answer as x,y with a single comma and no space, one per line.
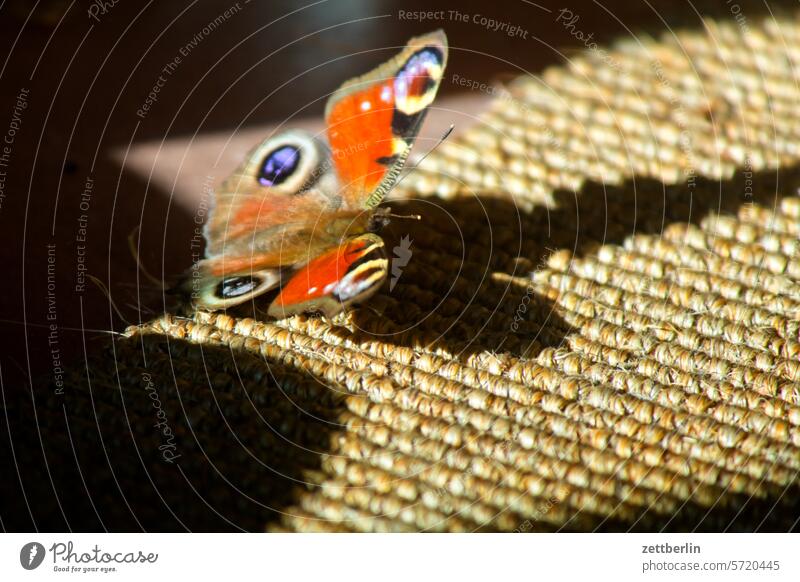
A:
597,329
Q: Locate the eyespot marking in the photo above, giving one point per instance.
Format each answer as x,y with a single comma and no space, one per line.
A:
232,287
415,84
278,165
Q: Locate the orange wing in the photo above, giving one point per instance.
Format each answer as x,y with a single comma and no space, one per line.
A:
346,274
279,209
373,119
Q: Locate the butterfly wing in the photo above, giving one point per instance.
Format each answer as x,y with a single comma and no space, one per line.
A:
372,120
272,198
335,279
277,210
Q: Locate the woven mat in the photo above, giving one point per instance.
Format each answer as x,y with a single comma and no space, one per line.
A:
597,329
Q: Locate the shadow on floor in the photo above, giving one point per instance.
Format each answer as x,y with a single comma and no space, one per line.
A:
249,432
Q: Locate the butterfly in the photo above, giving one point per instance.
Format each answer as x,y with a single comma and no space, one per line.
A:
300,214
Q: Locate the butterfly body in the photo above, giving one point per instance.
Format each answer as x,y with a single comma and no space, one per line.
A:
299,214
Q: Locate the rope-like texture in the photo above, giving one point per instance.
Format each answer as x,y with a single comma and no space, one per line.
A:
598,327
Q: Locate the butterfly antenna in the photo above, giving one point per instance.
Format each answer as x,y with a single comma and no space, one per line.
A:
67,328
405,216
100,285
135,253
445,135
141,309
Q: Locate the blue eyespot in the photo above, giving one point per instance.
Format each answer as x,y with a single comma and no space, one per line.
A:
279,164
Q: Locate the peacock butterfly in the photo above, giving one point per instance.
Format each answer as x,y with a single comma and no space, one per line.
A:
300,215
